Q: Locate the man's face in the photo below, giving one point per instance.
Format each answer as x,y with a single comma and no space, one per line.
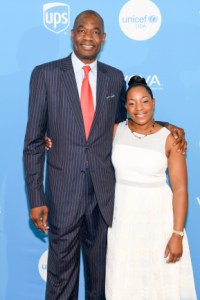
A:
87,38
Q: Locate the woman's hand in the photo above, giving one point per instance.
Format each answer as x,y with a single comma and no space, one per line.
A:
48,143
174,249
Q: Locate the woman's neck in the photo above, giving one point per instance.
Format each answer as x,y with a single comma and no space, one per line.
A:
145,129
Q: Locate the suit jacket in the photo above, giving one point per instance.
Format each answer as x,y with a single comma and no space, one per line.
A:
54,108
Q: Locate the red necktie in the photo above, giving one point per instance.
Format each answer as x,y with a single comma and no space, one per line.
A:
87,104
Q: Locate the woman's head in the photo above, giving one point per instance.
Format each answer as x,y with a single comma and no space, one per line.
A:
139,100
135,81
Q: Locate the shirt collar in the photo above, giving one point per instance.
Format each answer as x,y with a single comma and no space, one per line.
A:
78,64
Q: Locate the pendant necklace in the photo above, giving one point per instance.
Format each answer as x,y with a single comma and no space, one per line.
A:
145,135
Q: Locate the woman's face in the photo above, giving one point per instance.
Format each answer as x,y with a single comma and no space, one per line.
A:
140,105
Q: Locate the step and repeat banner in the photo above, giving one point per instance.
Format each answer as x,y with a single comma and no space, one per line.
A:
158,39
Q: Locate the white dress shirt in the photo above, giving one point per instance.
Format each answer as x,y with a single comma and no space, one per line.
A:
79,75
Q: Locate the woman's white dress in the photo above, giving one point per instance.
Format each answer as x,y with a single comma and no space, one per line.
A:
142,225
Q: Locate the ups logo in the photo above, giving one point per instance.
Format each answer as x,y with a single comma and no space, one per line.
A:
56,16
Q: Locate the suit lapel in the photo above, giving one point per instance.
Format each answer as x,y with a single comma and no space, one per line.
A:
70,86
102,84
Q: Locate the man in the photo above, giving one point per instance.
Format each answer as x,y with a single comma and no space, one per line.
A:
80,181
78,201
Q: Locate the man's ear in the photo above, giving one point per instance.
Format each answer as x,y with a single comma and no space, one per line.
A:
72,35
103,38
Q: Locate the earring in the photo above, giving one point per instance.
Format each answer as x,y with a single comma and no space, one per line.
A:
127,118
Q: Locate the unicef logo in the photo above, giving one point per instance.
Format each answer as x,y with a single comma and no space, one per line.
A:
153,19
56,16
42,265
140,19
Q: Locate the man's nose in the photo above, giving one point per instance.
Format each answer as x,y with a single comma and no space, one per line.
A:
88,35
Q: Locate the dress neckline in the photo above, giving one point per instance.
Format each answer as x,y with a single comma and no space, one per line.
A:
140,135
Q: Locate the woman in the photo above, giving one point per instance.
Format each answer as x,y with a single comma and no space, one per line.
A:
148,255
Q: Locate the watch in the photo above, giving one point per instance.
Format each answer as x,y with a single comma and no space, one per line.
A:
180,233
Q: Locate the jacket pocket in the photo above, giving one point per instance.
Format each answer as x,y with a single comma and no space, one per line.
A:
54,166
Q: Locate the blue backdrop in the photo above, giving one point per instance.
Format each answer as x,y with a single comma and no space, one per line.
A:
159,40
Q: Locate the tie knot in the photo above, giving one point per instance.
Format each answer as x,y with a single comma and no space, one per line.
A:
86,70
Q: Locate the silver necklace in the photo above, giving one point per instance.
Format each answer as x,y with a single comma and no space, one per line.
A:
145,135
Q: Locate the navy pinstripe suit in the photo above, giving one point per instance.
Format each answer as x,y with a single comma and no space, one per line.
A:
54,108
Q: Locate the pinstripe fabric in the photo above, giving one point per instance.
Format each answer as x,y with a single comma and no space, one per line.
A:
54,108
63,262
94,244
90,232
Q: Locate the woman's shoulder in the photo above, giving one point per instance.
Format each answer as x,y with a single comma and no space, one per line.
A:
118,127
162,130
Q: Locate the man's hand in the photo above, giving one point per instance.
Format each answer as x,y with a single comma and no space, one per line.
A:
39,217
47,143
179,135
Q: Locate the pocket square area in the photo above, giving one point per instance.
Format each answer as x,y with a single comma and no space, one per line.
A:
110,97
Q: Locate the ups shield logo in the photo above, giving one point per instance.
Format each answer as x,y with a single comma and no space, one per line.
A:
56,16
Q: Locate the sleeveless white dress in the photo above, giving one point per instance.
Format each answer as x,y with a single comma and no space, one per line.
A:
142,224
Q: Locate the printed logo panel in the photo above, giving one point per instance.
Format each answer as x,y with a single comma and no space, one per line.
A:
140,19
153,81
56,16
42,265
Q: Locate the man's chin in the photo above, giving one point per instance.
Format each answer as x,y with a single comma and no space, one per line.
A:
86,56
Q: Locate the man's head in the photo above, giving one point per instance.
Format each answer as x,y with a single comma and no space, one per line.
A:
88,35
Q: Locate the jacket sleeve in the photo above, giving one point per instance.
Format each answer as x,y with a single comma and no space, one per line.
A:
34,151
121,110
